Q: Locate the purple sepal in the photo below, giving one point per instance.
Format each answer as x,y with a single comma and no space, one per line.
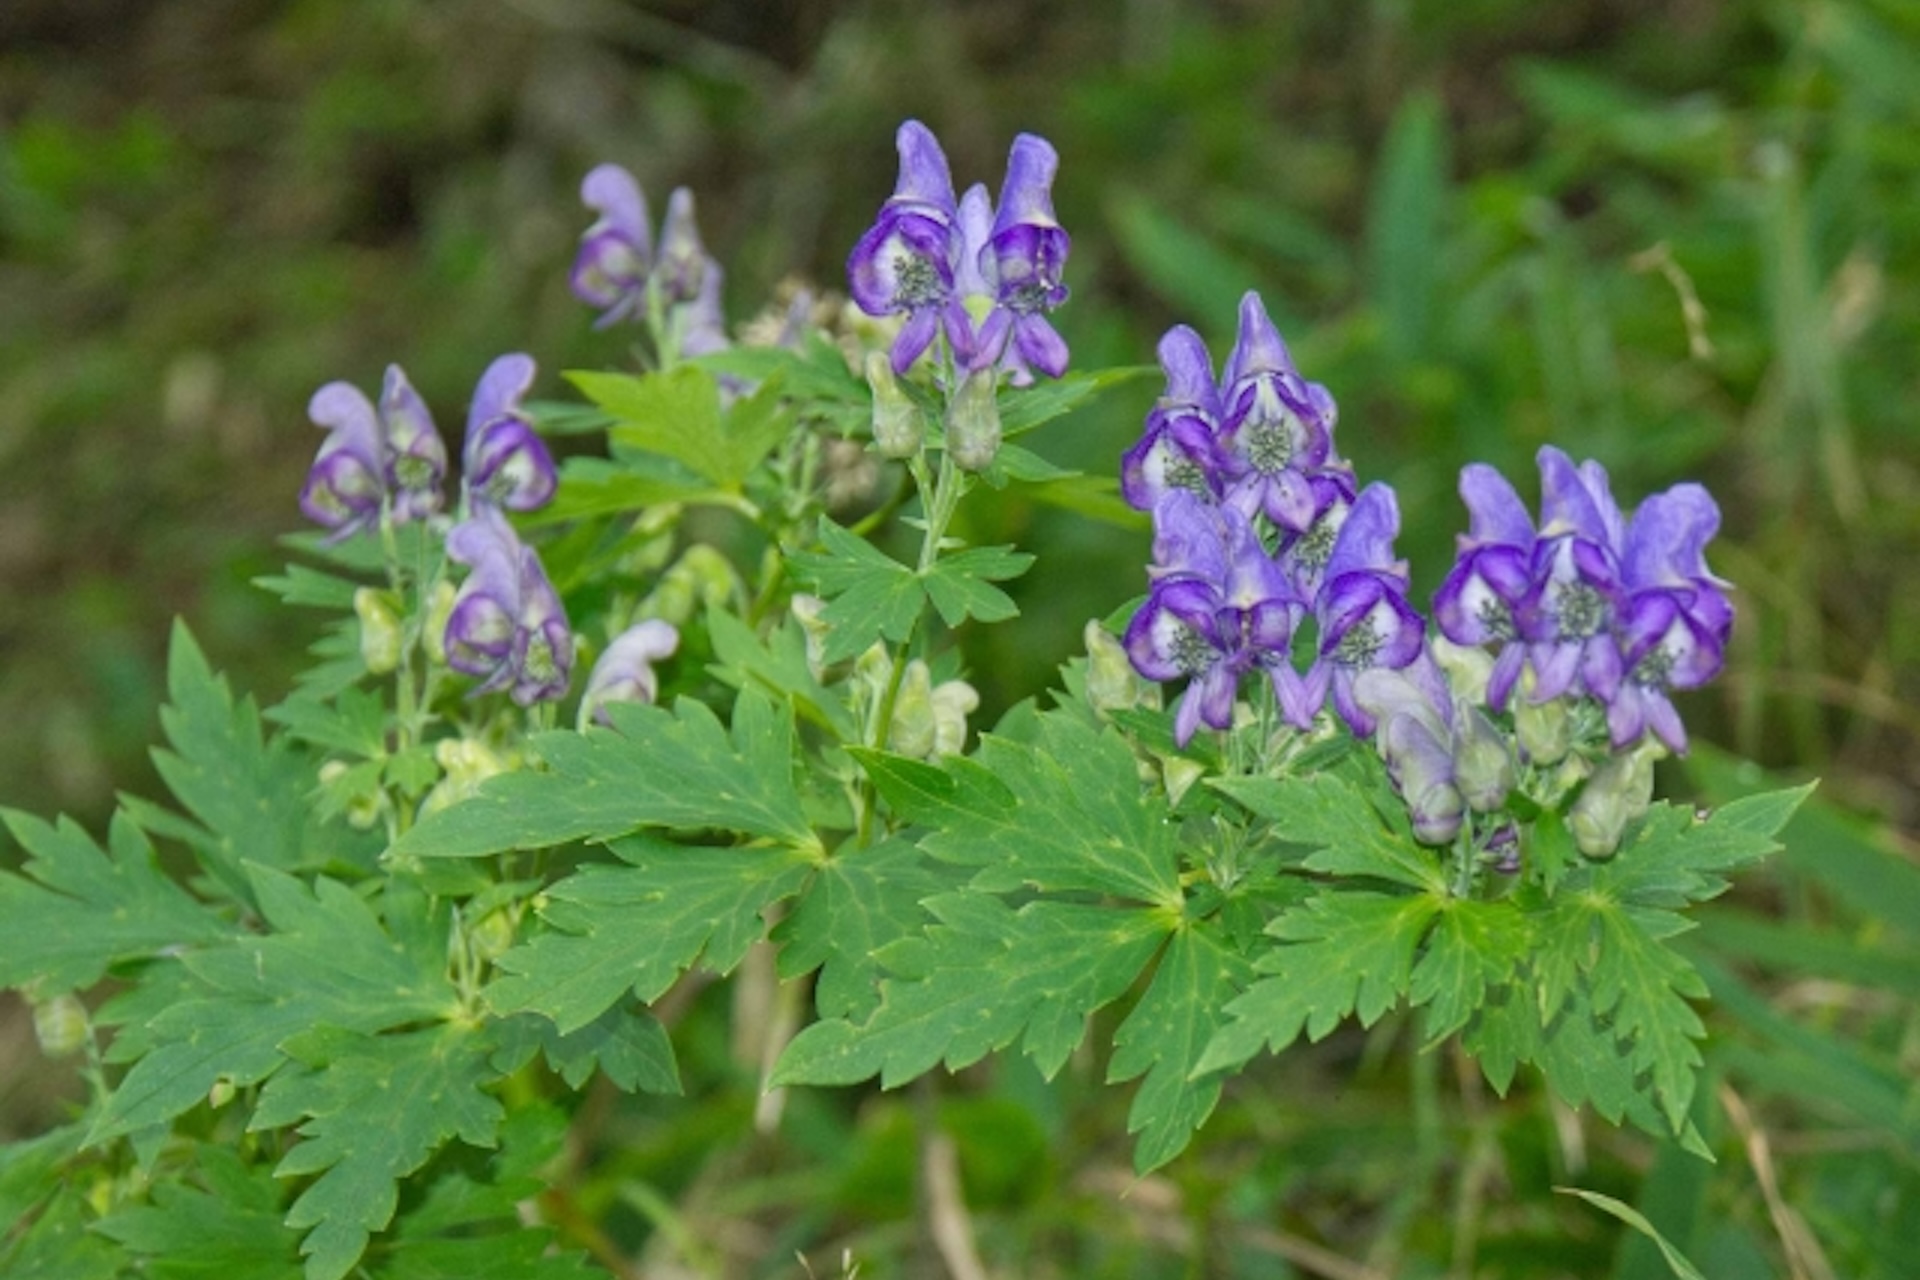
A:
346,485
624,672
1188,541
906,262
682,267
1258,349
416,456
507,623
505,462
1365,619
616,251
1021,262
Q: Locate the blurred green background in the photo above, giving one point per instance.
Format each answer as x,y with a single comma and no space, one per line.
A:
1681,238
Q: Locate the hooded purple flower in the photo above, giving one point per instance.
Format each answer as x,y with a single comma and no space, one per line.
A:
1673,628
1220,609
906,262
506,462
1365,620
1277,429
616,252
624,672
1480,601
1021,264
371,457
1179,449
1304,555
1568,613
507,623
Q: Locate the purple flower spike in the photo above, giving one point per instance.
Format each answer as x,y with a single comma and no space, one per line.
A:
507,623
1480,600
616,252
1275,430
1179,449
624,672
1365,620
416,457
506,462
347,483
905,263
1024,255
1567,616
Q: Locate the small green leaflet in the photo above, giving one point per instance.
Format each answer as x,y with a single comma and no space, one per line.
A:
374,1109
328,962
627,1044
654,768
1474,947
873,596
676,413
638,927
601,487
1345,953
247,793
1063,814
1338,820
859,901
300,585
1165,1035
232,1227
984,975
1023,409
778,665
79,909
1676,1261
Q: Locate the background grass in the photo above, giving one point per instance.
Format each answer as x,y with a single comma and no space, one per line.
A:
1683,239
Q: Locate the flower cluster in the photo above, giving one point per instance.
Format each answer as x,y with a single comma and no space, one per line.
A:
1257,525
618,270
1592,603
986,275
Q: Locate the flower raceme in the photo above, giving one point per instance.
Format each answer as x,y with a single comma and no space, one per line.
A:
929,256
616,264
372,457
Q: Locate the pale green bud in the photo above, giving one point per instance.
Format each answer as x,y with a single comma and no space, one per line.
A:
1545,730
1482,760
1112,683
953,701
1467,669
897,427
61,1025
1619,791
440,603
380,635
467,763
973,422
221,1093
806,611
362,809
1180,773
912,731
491,937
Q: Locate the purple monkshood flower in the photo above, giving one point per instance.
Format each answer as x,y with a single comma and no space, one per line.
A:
928,252
1276,428
372,457
1674,624
1480,601
507,623
1025,251
1365,620
1304,555
1179,449
506,462
1220,609
1567,615
624,673
617,264
905,263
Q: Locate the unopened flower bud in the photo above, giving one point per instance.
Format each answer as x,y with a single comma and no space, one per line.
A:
467,763
491,937
1112,683
806,611
361,806
897,429
221,1093
1180,774
953,701
61,1025
1545,730
973,422
440,602
1620,791
380,636
912,731
1467,669
1482,760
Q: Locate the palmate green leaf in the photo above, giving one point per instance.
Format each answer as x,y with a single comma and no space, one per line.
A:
371,1110
778,665
977,980
247,794
961,585
1586,1063
654,768
229,1010
77,909
229,1223
602,486
636,928
627,1044
677,414
1063,814
1165,1036
1345,953
58,1244
1673,858
1335,817
859,901
1024,408
1640,987
1474,947
308,587
354,721
870,595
